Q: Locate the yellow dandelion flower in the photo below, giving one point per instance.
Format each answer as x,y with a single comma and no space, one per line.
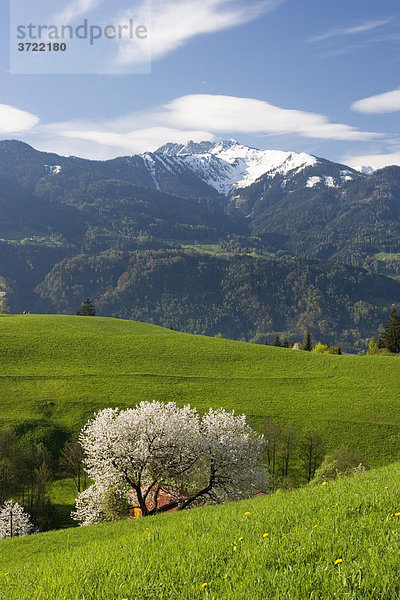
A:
265,534
315,526
247,513
323,483
386,487
204,585
397,514
240,539
338,561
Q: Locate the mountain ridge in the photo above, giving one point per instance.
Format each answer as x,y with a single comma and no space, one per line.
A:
221,167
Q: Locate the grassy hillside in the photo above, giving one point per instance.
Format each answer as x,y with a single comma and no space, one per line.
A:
280,547
57,370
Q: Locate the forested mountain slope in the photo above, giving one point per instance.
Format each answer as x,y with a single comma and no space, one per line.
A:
116,230
241,297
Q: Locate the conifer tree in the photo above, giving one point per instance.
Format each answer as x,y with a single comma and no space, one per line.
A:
87,309
277,341
286,343
390,335
308,342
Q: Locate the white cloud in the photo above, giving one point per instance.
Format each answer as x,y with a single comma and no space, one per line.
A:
137,141
377,161
132,134
13,120
228,114
76,9
194,117
382,103
175,22
353,30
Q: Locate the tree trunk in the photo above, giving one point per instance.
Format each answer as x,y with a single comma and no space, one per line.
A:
205,490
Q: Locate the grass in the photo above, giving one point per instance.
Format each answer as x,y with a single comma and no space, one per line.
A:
216,249
173,556
56,371
388,256
388,263
205,248
62,494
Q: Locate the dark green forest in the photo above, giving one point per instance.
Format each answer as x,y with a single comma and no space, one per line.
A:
240,297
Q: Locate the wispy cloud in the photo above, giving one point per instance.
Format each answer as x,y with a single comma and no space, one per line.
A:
138,140
194,117
14,120
381,103
377,161
352,30
175,22
224,114
76,9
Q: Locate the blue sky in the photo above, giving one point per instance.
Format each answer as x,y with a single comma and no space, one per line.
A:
302,75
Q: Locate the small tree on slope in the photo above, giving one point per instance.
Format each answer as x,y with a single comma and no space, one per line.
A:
215,457
71,462
308,342
14,521
87,309
277,342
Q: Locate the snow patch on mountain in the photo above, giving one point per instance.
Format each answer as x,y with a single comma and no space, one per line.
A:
313,181
345,175
329,181
217,173
151,166
53,169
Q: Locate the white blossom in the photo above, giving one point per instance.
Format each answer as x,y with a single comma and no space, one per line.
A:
89,506
231,456
147,442
14,521
214,458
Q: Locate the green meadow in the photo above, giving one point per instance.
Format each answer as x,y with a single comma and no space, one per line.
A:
338,540
56,371
279,547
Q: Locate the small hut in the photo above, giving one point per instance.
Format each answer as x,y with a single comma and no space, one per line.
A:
166,498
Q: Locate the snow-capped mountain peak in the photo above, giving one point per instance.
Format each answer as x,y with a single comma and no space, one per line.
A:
364,169
172,149
227,164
